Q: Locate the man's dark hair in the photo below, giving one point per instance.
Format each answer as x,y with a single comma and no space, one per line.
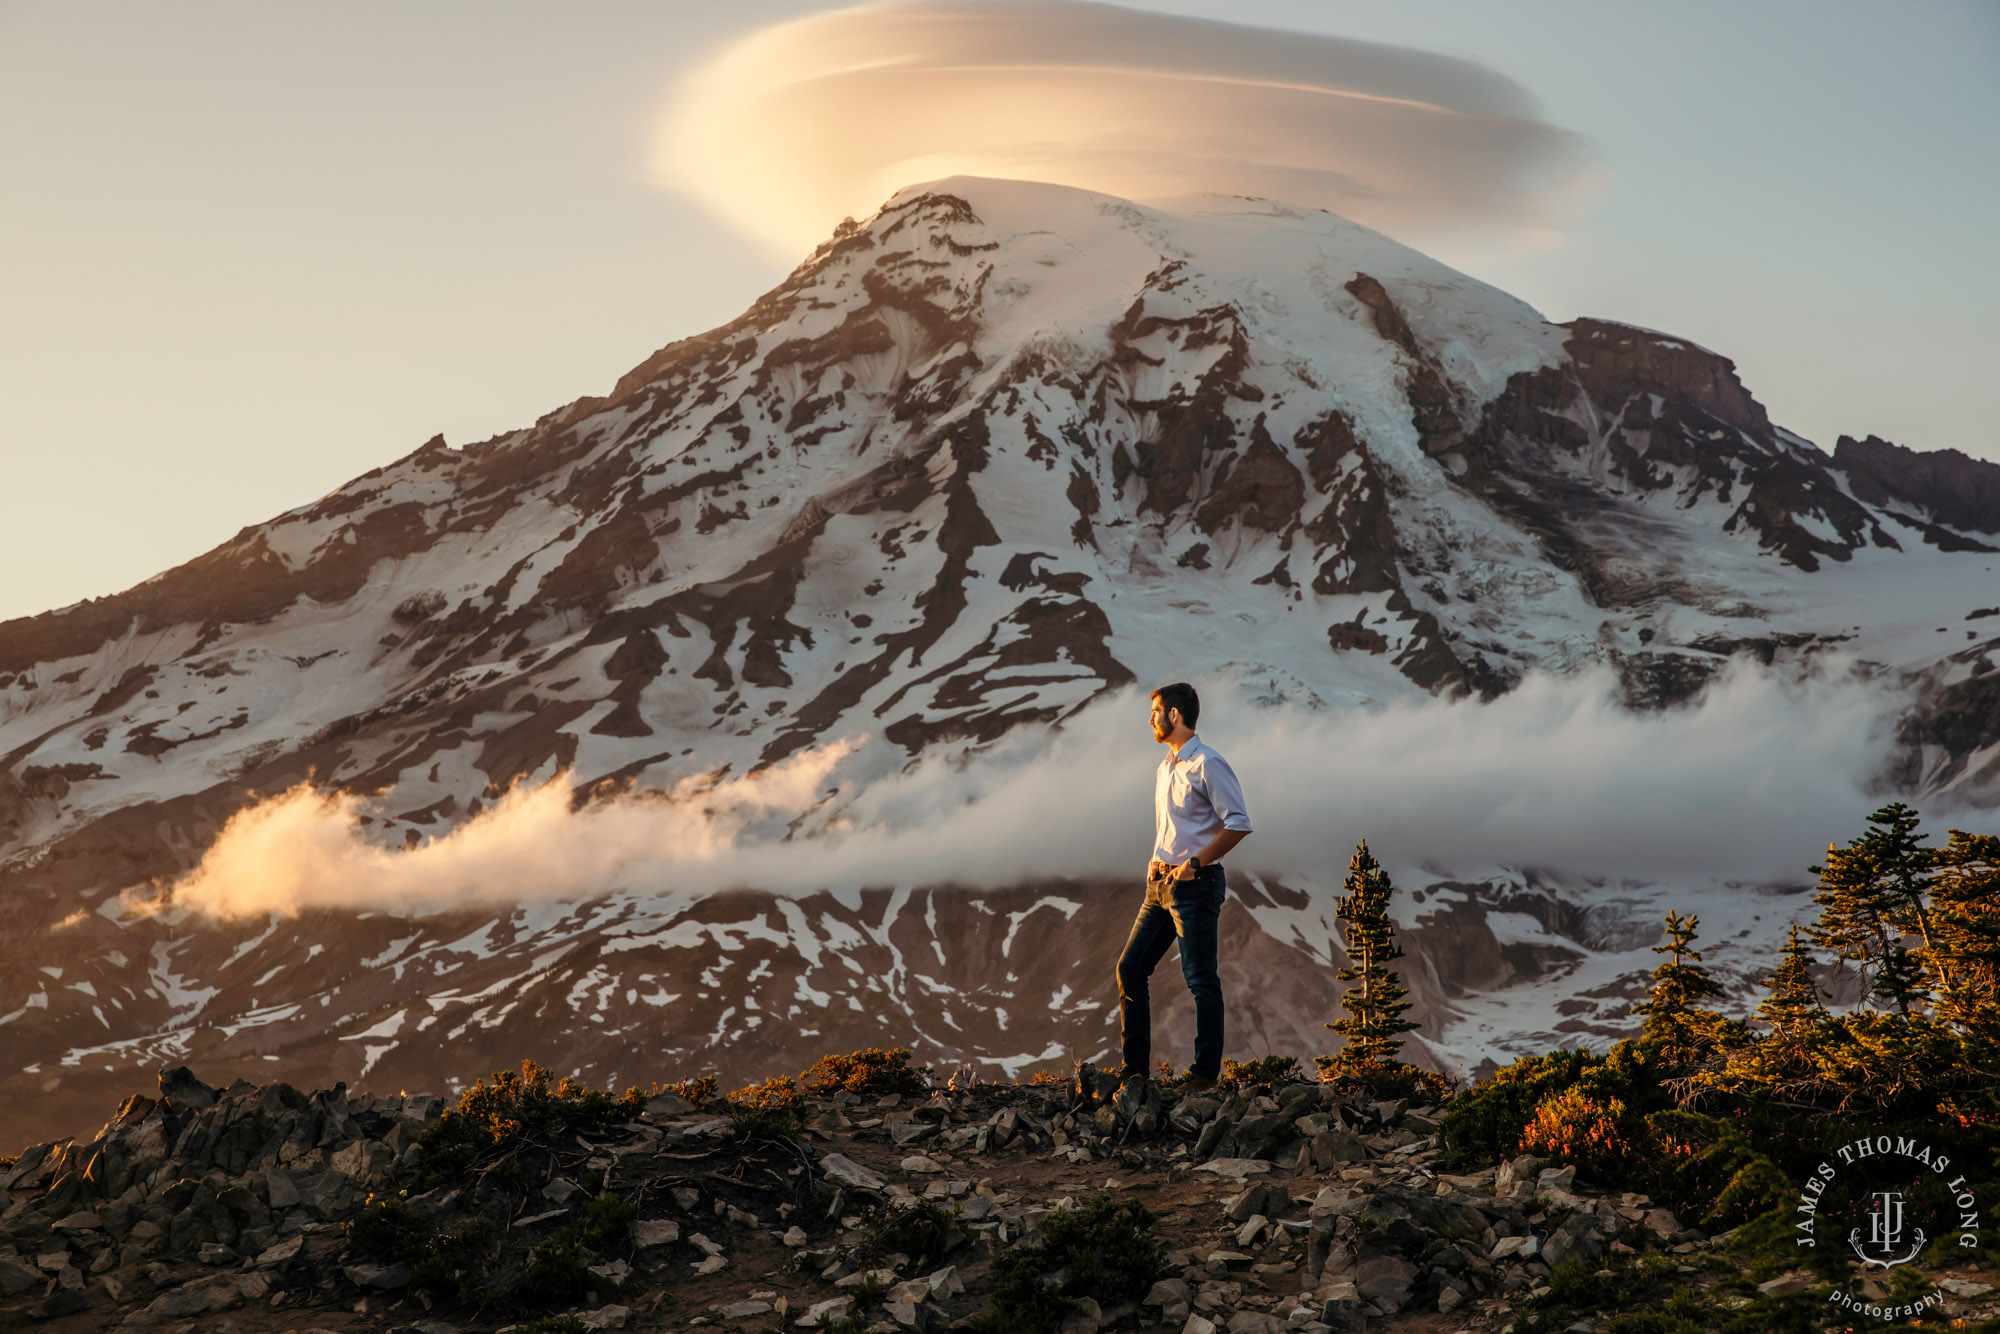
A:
1180,695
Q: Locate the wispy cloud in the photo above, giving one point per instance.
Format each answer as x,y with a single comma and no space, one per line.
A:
805,122
1751,782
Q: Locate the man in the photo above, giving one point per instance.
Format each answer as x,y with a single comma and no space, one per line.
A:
1198,816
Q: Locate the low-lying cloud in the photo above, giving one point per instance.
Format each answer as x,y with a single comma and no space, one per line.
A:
806,122
1752,782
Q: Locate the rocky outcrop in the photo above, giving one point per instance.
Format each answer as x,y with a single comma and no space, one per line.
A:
1942,486
1283,1207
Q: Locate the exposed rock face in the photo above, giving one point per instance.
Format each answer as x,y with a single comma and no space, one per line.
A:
1942,485
936,486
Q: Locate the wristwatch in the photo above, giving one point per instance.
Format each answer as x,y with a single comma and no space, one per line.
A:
1197,864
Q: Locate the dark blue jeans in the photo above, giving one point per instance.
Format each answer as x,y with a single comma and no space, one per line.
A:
1184,910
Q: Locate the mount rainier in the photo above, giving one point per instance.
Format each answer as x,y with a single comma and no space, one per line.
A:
1001,454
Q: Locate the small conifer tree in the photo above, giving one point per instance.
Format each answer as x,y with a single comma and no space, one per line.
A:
1872,895
1375,1000
1793,1008
1675,1023
1965,930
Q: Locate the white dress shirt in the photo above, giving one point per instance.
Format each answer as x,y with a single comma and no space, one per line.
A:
1195,796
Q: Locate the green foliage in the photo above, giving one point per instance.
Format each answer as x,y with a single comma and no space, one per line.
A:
1965,932
924,1231
1103,1250
1376,1004
1385,1079
559,1268
1263,1070
453,1262
868,1291
1715,1161
1484,1125
1871,897
383,1228
493,1120
1676,1025
553,1324
871,1073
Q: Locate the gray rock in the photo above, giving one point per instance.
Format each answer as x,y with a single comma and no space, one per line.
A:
281,1253
1332,1147
1173,1297
1555,1178
844,1170
1212,1135
183,1092
221,1293
283,1191
16,1278
381,1277
1255,1322
834,1308
1385,1281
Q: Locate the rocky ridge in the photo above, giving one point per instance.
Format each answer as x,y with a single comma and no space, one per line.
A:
1279,1208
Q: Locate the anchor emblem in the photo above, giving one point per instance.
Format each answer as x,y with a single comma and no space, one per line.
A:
1885,1231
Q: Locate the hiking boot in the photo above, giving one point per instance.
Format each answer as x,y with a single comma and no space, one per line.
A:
1194,1083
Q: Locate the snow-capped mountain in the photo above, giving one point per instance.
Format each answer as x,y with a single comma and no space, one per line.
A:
1001,449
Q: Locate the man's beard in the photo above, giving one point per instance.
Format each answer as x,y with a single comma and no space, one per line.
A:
1161,731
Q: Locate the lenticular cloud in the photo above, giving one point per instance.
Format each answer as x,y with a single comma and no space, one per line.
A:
806,122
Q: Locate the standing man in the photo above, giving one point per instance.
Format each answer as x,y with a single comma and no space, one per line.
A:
1198,816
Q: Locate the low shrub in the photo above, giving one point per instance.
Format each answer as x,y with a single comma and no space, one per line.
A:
1103,1250
1594,1132
1263,1070
559,1268
1385,1079
697,1091
553,1324
925,1231
778,1093
1484,1125
871,1072
770,1110
492,1120
453,1263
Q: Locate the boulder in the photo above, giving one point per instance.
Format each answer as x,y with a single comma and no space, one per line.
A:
16,1278
182,1092
378,1276
648,1233
1255,1322
1385,1281
1173,1297
846,1172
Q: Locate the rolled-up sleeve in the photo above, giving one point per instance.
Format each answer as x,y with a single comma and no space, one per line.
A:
1225,794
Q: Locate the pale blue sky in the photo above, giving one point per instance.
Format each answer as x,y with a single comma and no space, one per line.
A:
249,251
